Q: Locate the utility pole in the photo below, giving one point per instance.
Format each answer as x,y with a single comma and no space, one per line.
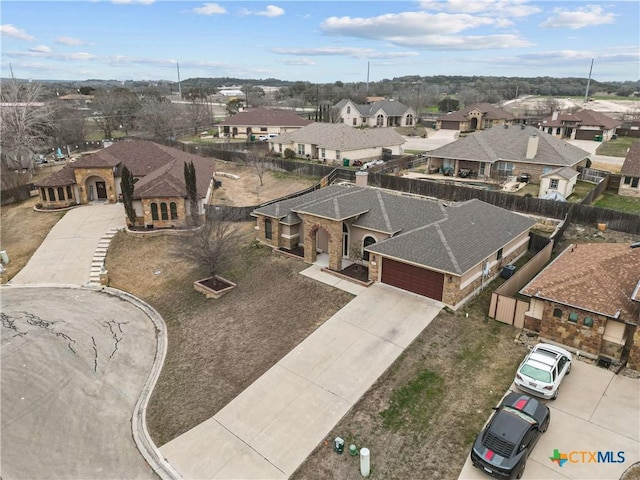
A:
179,86
586,94
368,65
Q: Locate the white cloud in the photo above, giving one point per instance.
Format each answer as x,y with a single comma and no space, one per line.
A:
43,49
507,8
9,30
132,2
580,18
298,61
269,11
343,51
460,42
69,41
210,9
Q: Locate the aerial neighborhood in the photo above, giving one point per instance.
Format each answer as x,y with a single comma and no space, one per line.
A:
292,273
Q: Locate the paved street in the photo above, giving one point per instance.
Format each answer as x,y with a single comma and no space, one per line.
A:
74,362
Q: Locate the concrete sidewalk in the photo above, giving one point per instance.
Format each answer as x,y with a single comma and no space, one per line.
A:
66,254
270,428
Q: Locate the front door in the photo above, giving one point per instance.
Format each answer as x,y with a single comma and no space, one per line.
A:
101,190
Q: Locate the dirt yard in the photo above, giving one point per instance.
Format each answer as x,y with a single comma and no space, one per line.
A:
246,190
22,230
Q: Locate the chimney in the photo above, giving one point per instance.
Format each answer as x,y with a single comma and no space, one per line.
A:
362,178
554,116
532,147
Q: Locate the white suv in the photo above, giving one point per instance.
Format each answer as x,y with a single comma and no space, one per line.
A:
542,370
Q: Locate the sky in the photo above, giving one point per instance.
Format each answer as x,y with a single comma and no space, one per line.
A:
318,41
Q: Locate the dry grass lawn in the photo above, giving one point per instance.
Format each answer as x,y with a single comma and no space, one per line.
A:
22,230
217,348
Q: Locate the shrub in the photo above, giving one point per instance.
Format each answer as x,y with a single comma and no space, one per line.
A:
288,153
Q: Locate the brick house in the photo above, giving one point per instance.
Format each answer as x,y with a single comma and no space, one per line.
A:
630,171
442,252
587,299
159,192
580,125
502,152
476,117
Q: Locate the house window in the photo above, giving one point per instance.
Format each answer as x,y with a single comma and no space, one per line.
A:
263,129
409,119
627,180
280,147
43,192
268,233
550,130
301,149
52,194
337,154
557,312
588,322
69,193
546,169
505,168
553,183
634,182
499,254
573,317
380,120
323,153
154,211
163,211
558,130
60,193
173,207
349,111
365,243
355,122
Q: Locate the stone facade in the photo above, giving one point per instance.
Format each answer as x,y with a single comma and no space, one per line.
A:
57,197
374,267
276,239
634,354
106,174
334,232
179,221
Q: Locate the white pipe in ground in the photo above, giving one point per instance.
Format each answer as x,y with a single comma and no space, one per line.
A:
365,466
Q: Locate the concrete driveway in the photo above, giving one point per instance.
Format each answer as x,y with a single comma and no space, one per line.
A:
596,411
270,428
435,139
74,364
66,254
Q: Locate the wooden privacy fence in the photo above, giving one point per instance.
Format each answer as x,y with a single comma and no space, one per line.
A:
504,307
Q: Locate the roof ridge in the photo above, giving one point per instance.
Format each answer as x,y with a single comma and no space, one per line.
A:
383,209
446,246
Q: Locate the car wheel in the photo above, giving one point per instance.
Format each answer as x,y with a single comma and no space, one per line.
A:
555,394
545,426
521,472
569,369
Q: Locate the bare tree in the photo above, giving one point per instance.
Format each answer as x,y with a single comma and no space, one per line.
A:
115,108
25,124
259,165
70,126
197,115
161,119
214,244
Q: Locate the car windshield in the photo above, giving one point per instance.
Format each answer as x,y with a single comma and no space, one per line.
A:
535,373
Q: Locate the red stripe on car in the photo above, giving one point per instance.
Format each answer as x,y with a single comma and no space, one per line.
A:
520,404
489,455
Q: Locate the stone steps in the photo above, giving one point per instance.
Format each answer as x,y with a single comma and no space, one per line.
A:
97,263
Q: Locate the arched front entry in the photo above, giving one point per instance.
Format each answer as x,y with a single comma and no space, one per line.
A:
474,123
96,189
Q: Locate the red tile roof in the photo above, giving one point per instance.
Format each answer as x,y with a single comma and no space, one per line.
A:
597,277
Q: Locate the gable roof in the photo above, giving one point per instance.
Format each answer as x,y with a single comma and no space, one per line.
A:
583,118
390,107
565,172
338,136
597,277
491,112
510,144
451,239
61,178
140,156
631,164
266,117
168,180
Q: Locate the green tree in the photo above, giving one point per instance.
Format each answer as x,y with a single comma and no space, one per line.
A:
192,190
448,104
127,185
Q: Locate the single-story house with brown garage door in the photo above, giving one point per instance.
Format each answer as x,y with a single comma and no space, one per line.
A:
160,194
424,246
475,117
502,152
261,121
580,125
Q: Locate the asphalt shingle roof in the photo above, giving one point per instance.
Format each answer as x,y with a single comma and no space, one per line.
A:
565,172
597,277
490,112
510,145
391,107
583,118
338,136
266,117
631,165
451,239
61,178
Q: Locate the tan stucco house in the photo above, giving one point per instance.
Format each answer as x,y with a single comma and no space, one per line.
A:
506,151
587,299
630,171
379,113
476,117
339,143
160,196
261,121
423,246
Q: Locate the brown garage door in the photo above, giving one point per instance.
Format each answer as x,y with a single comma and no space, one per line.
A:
587,134
414,279
444,125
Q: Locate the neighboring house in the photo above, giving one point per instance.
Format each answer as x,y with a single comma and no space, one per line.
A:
475,117
423,246
587,299
502,152
261,121
581,125
381,113
336,142
77,100
160,195
561,180
630,171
